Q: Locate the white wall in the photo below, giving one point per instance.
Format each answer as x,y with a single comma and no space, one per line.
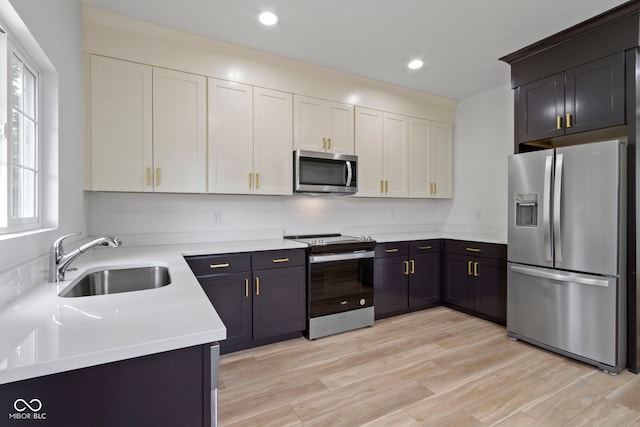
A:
483,138
57,28
121,213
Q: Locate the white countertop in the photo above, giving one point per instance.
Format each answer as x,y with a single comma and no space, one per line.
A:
428,235
43,333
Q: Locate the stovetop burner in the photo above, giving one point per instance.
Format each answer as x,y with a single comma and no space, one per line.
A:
335,242
327,239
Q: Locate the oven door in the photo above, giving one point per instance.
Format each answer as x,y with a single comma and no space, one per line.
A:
340,282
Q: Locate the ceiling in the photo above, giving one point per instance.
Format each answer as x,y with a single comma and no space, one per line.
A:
460,41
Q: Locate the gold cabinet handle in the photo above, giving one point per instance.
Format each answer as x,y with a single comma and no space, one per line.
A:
424,248
390,251
475,269
435,188
246,288
250,180
277,260
431,188
148,173
413,266
569,124
382,186
469,268
225,265
406,268
257,286
324,143
157,176
257,181
473,250
558,122
329,143
386,186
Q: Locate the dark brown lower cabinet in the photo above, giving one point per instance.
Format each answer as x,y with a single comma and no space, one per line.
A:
260,296
406,277
164,389
476,279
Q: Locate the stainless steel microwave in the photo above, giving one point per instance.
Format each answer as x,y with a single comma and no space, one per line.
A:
329,173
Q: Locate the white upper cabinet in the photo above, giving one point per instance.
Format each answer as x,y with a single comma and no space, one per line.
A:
179,132
430,159
321,125
148,128
273,142
381,147
120,125
441,159
395,155
250,139
230,137
369,149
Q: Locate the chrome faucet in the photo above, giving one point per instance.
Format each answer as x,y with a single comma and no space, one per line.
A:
59,261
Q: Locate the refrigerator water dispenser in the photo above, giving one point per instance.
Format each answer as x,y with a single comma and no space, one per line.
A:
527,210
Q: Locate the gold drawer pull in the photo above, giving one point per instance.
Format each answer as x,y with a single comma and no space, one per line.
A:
569,124
157,176
148,174
406,268
226,264
424,248
558,122
390,251
469,267
280,260
413,266
473,250
257,286
246,288
475,269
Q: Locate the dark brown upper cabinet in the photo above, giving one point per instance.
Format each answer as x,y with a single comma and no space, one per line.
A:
582,99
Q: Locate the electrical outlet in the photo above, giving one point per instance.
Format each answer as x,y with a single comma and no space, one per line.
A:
217,217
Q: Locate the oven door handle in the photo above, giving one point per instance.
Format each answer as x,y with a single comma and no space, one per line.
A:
343,256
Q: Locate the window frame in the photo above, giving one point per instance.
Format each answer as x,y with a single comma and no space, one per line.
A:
13,51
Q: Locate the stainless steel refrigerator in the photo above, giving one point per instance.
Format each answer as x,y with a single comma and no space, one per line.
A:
566,284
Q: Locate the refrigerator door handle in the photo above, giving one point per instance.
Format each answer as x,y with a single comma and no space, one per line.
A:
557,205
546,213
558,276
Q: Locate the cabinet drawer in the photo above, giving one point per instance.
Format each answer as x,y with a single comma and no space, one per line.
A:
424,246
479,249
278,259
391,249
208,265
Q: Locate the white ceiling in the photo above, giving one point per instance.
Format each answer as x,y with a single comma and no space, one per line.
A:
460,41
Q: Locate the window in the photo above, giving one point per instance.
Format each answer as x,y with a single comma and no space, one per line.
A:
20,181
23,144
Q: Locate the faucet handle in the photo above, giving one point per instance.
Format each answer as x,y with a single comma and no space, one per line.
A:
57,244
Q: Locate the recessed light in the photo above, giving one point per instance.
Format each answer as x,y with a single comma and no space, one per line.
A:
268,18
415,64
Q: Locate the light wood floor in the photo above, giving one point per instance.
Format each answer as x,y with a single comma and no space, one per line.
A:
436,367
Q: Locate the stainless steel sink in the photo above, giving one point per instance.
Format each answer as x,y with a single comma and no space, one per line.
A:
117,280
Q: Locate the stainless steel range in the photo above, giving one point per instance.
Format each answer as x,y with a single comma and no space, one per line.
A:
339,283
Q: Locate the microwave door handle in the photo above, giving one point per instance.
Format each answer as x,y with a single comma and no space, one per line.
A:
349,173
